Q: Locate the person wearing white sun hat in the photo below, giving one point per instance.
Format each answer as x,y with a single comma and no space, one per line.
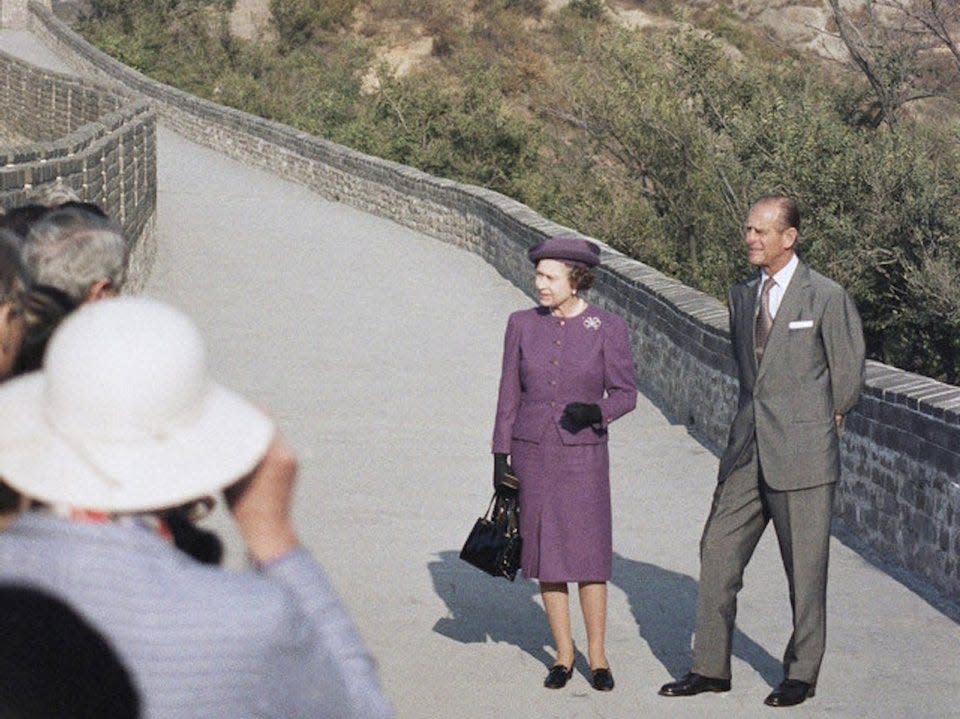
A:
121,424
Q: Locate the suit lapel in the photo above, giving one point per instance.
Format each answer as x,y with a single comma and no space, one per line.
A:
789,310
747,321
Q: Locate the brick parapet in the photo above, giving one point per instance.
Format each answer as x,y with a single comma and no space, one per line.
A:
899,493
98,143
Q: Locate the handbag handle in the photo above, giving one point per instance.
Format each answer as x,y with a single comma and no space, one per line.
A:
488,515
506,513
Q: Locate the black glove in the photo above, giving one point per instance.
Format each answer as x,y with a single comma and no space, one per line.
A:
581,415
501,468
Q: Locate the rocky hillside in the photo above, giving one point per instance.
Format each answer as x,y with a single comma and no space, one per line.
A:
649,124
804,25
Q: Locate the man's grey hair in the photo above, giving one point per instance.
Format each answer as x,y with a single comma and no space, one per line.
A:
72,248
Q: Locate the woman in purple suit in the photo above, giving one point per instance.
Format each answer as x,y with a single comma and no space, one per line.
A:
567,373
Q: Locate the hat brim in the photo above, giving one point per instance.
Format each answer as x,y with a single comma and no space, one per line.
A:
221,443
587,263
573,251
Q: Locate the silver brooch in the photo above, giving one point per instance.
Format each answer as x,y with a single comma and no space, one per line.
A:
592,323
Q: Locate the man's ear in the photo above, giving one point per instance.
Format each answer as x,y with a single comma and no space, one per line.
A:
790,238
100,290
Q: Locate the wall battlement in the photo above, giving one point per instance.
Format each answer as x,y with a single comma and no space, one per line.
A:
100,144
899,496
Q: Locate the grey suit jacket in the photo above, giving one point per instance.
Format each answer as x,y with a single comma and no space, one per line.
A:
202,641
812,368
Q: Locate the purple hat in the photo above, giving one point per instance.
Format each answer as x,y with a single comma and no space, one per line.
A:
572,250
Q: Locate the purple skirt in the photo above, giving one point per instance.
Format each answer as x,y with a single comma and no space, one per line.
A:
564,509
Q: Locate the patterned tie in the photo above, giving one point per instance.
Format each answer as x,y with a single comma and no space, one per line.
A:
764,320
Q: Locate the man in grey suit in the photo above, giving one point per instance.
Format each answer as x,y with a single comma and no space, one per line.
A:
799,349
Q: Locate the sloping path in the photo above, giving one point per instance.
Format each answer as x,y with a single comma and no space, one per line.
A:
378,350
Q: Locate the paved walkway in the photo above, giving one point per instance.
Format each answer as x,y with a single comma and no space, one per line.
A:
378,350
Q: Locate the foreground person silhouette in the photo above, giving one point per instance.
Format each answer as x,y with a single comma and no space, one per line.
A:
121,424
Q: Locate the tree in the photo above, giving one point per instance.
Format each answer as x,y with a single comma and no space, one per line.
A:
906,49
677,138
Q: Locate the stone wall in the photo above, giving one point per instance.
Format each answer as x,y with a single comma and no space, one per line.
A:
47,107
100,144
901,461
14,13
899,496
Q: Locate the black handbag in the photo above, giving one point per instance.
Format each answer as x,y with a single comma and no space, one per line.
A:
494,542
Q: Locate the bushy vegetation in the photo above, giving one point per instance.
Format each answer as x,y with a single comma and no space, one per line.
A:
682,138
655,142
462,131
300,21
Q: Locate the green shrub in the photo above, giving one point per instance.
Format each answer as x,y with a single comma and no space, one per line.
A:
588,9
534,8
461,133
656,143
696,136
299,21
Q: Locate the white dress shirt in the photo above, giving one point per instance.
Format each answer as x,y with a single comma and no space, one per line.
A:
782,279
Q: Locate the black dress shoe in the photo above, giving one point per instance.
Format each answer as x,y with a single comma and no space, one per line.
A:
790,693
602,680
694,684
558,677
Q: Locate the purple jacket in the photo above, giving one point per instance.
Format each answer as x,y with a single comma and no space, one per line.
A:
549,362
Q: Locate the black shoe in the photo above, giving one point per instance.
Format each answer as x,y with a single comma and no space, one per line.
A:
694,684
602,680
790,693
558,677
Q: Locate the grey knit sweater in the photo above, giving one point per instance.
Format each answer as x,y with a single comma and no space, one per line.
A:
203,641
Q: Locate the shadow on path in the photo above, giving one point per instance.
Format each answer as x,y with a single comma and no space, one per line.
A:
485,608
664,604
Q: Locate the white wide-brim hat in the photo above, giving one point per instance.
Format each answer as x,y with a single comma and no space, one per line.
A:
124,417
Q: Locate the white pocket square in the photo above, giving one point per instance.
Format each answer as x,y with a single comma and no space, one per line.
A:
801,324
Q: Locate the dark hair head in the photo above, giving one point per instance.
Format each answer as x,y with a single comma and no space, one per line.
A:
13,275
45,308
54,664
19,220
201,544
91,207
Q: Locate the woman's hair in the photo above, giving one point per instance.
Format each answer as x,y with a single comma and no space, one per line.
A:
13,275
201,544
45,308
581,278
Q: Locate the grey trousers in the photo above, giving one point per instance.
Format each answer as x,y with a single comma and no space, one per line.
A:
742,506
